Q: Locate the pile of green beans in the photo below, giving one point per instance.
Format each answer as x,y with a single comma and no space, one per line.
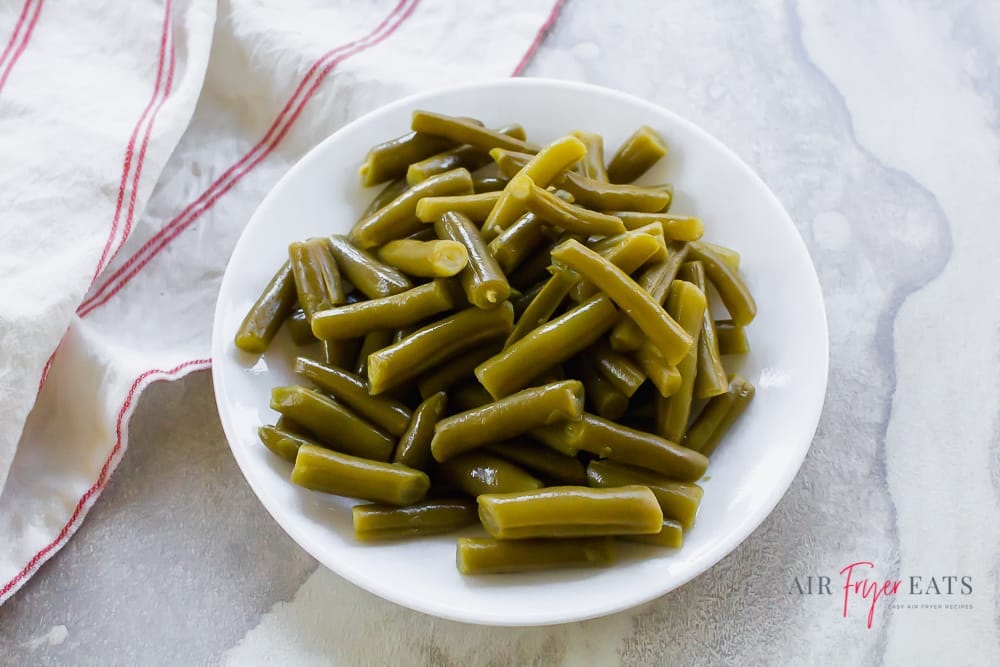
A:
512,336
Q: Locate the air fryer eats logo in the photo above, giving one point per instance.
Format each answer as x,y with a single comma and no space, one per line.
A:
859,586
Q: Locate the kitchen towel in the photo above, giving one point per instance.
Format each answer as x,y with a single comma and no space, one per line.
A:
136,140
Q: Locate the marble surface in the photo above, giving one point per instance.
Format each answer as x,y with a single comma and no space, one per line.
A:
876,124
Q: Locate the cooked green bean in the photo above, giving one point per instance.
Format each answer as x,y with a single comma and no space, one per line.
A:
548,345
628,252
521,300
641,150
626,336
728,255
730,286
671,535
475,207
623,373
384,196
399,218
553,210
371,277
519,242
332,423
425,234
718,415
398,310
606,246
317,279
666,378
543,305
352,390
663,332
370,344
541,460
711,377
533,270
433,344
481,184
686,304
425,259
602,396
460,156
430,517
570,511
284,444
675,227
324,470
289,425
464,131
508,417
457,371
390,159
414,448
299,329
732,337
476,473
482,279
483,555
268,312
592,164
469,397
678,500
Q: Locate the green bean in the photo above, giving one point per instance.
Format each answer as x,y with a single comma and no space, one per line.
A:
711,377
541,460
341,353
602,396
482,279
686,304
433,344
370,344
425,259
543,305
299,329
430,517
324,470
284,444
352,390
414,448
626,336
671,535
479,555
624,374
399,217
666,378
291,426
728,255
268,312
663,332
317,279
481,184
731,288
592,163
556,437
607,245
457,370
570,511
633,447
425,234
460,156
475,207
553,210
678,500
398,310
675,227
641,150
628,252
476,473
521,300
519,241
463,131
718,416
508,417
371,277
469,397
732,337
392,190
332,423
533,270
390,159
548,345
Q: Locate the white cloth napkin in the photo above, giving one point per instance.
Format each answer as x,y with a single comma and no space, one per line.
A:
136,139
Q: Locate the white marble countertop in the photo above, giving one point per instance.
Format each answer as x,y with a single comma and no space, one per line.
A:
877,126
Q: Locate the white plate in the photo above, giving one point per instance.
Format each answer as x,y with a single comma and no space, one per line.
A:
750,471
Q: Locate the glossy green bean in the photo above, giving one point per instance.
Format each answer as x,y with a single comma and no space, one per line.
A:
628,252
718,416
464,131
592,164
414,448
541,460
734,292
675,227
429,517
711,377
476,473
666,378
545,303
481,184
483,555
507,417
399,218
671,535
370,276
284,444
392,190
475,207
425,259
390,159
732,337
655,280
469,397
728,255
602,396
299,328
548,345
623,373
324,470
637,154
435,343
663,332
687,305
553,210
317,279
266,315
370,344
606,245
461,156
570,511
482,279
521,300
387,312
352,390
533,270
289,425
332,423
459,370
519,242
678,500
